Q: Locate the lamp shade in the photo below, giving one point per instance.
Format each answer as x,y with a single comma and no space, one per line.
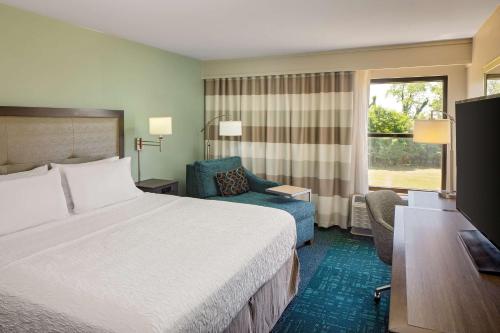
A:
160,126
230,128
437,131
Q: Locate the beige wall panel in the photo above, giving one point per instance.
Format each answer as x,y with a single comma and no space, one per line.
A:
398,56
38,139
27,142
486,48
96,137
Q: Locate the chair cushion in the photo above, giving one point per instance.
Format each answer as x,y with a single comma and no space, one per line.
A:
206,170
297,208
232,182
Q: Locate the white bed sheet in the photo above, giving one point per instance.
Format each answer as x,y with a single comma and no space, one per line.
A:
157,263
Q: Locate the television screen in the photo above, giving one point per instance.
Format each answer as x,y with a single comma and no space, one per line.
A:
478,164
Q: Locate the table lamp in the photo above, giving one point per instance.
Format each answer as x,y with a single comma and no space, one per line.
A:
437,131
158,126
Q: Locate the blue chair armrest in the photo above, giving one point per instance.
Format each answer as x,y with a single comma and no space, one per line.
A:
258,184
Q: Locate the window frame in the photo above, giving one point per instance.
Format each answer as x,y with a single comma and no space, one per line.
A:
486,78
444,157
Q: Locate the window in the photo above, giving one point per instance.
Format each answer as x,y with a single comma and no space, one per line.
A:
492,84
395,161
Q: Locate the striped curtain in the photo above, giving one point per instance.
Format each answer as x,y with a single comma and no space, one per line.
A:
296,130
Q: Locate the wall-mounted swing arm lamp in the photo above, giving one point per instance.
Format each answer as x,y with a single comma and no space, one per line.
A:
226,128
158,126
438,131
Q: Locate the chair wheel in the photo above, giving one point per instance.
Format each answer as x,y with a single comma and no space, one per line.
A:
376,297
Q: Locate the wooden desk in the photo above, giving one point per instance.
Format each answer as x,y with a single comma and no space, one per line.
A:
435,286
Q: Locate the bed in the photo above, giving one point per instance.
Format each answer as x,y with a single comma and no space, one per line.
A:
157,263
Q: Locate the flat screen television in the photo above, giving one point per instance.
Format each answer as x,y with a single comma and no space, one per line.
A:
478,176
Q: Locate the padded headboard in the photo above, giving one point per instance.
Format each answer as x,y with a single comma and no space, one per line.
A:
32,136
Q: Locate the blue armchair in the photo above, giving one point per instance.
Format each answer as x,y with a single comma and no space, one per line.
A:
200,183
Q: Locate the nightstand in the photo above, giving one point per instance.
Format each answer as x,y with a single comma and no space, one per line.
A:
160,186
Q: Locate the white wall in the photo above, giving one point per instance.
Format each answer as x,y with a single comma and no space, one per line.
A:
486,47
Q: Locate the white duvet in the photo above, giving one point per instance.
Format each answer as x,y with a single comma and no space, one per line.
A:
157,263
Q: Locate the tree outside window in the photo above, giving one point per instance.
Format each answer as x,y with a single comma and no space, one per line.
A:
395,161
492,84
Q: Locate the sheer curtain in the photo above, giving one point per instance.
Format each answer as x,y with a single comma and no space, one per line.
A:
359,157
299,129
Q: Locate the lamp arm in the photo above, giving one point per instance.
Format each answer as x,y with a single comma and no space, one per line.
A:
150,143
452,159
140,143
211,121
452,149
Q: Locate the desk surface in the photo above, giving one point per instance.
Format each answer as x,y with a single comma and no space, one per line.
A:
426,199
435,286
288,190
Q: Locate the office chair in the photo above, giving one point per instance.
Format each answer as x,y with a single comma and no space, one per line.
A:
381,206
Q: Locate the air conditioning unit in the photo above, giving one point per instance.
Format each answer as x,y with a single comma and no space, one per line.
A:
360,221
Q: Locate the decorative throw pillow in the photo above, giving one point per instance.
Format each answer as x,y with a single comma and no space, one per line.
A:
232,182
205,173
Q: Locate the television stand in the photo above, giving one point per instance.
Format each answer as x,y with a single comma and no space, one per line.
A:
484,254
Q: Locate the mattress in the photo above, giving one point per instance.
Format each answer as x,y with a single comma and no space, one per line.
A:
157,263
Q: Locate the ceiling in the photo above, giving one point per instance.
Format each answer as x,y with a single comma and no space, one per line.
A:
222,29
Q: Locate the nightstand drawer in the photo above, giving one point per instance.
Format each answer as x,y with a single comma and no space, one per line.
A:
172,189
159,186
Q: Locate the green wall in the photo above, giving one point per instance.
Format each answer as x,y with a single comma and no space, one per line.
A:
45,62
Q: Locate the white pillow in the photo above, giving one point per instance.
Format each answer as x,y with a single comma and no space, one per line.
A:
30,201
63,167
33,172
98,185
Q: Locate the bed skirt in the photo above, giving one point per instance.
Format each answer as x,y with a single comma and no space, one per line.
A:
265,307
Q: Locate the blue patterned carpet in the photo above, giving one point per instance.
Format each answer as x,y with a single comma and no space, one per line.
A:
338,275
